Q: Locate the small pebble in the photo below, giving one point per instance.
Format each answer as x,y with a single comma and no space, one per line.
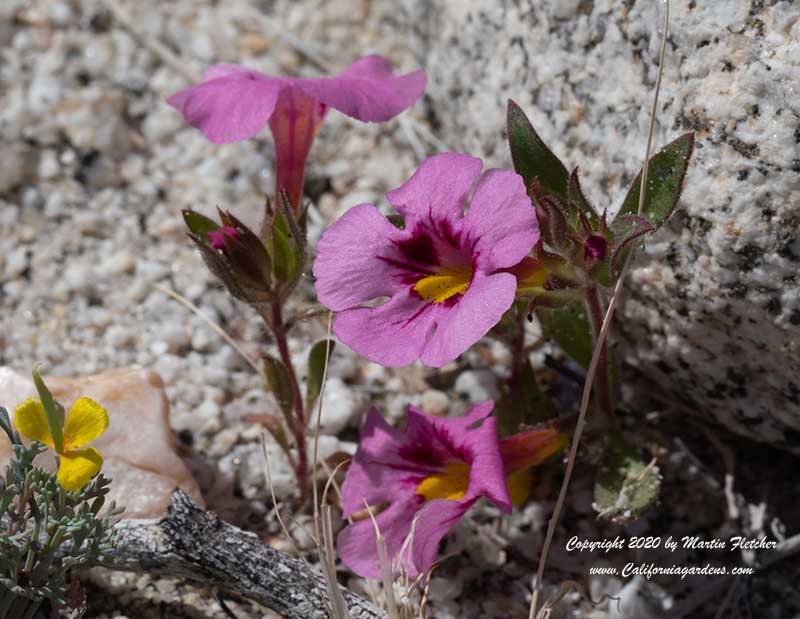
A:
435,402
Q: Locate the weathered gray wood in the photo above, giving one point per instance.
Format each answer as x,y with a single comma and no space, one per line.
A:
195,544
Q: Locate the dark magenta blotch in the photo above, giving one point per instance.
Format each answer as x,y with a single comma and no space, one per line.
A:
595,247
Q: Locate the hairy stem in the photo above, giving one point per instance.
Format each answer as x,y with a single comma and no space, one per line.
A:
298,424
602,388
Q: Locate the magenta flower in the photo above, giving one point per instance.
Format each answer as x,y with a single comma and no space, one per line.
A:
428,475
444,273
234,103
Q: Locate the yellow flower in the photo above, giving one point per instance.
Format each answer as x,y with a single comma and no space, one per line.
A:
87,420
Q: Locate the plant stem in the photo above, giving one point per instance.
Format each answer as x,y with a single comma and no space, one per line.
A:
602,392
298,425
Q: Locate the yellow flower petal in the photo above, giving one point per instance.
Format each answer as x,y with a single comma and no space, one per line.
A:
86,421
519,486
78,467
31,421
446,283
452,483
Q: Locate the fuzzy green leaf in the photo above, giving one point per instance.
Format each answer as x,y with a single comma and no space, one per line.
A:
248,257
53,410
284,252
278,380
274,426
252,270
665,174
569,327
626,485
553,225
601,272
523,403
5,425
219,267
626,230
198,224
532,158
317,358
578,203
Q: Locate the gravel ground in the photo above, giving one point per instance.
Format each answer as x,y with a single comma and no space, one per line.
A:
94,170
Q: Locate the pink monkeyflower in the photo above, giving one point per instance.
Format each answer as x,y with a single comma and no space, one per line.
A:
444,273
234,103
427,475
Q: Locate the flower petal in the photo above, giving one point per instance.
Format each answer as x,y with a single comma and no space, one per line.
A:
87,420
433,522
470,318
348,268
379,470
231,104
439,187
77,467
388,467
367,90
501,221
471,438
391,460
519,486
31,421
392,334
294,124
531,447
357,545
438,516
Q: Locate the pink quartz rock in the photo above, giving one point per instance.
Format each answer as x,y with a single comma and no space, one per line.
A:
138,448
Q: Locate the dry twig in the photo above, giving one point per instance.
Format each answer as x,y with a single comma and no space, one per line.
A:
196,545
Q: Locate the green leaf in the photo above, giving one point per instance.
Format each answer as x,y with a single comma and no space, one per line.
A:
5,425
625,230
665,174
283,250
569,327
251,269
278,380
553,225
626,485
274,426
248,256
578,203
198,224
552,299
601,272
523,403
317,357
532,159
217,265
52,409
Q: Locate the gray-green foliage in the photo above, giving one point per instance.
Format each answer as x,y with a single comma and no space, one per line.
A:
626,485
44,530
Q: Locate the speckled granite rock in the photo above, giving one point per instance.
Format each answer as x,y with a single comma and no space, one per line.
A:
138,450
712,318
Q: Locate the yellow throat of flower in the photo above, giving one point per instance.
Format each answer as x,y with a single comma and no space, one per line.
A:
446,283
452,483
